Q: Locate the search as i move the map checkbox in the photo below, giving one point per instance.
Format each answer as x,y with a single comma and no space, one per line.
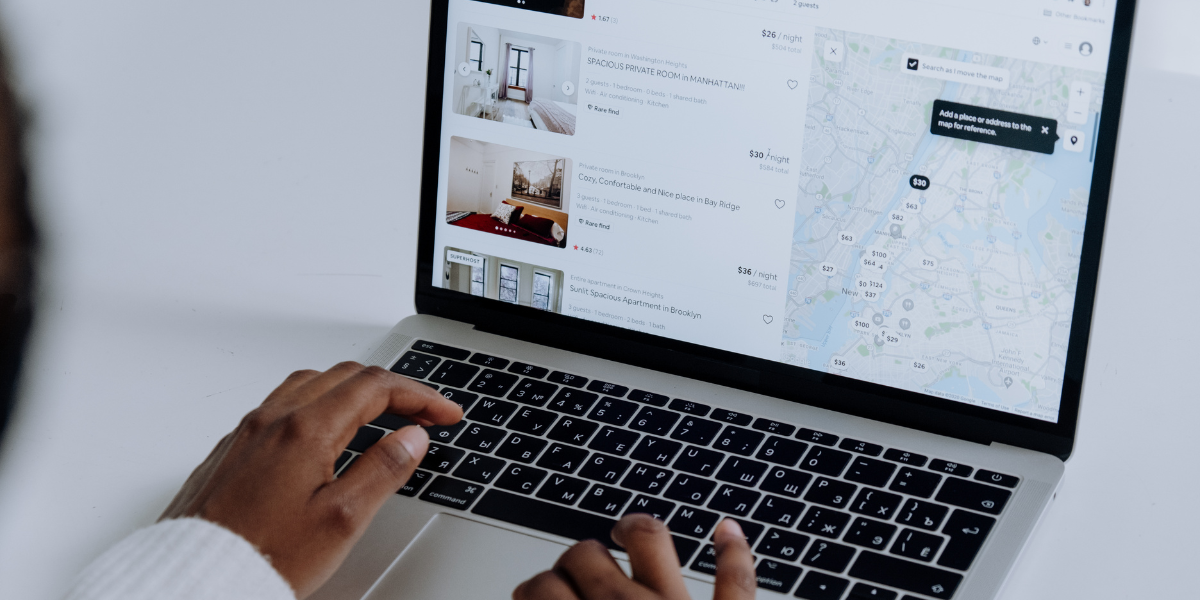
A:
957,71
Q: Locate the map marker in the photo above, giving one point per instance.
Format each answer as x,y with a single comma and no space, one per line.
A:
909,304
895,230
905,324
1008,382
878,319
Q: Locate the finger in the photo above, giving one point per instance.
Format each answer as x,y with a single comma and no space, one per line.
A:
651,554
594,574
735,564
363,396
380,471
547,585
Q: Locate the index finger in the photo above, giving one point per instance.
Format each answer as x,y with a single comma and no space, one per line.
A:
652,554
371,391
735,563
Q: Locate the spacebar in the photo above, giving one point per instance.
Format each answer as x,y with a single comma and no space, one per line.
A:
543,516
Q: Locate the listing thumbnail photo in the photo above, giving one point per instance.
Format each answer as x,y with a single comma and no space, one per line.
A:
504,280
566,8
516,78
509,192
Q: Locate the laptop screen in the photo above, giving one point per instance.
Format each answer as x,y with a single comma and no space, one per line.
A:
893,191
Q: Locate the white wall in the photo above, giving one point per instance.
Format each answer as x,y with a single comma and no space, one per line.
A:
491,57
466,166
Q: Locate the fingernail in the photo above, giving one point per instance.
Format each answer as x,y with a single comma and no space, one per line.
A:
415,440
732,528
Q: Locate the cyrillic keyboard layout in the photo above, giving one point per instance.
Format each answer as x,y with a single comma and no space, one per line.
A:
566,455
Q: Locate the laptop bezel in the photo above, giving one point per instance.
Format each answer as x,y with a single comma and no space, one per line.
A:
833,392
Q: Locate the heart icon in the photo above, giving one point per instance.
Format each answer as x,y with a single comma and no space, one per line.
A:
768,319
780,204
792,83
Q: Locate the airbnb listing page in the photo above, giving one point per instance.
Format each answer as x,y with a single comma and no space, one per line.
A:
893,191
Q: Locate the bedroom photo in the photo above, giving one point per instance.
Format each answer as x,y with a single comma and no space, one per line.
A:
504,280
566,8
509,192
516,78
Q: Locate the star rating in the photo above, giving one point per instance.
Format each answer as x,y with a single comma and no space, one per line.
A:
576,247
593,17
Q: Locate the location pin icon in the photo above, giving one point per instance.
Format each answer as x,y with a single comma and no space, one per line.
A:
1008,382
1074,140
895,230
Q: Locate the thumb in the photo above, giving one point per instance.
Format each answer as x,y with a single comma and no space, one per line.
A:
382,470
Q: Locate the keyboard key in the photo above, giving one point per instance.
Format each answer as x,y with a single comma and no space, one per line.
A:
775,427
655,421
415,483
817,437
869,533
492,383
573,431
567,379
785,481
825,461
943,466
967,532
739,441
608,389
824,522
864,591
655,507
613,411
479,468
742,471
874,503
605,500
648,479
562,489
692,521
480,438
915,483
441,459
919,513
341,460
696,431
573,402
454,374
532,421
728,416
908,458
905,575
776,576
916,545
689,407
781,451
656,451
520,479
365,438
777,511
734,500
819,586
445,433
390,421
614,441
455,493
492,412
648,398
861,447
485,360
416,365
782,544
604,468
533,392
563,459
441,350
461,398
831,492
690,489
706,562
547,517
521,368
870,471
699,461
829,556
995,478
521,447
974,496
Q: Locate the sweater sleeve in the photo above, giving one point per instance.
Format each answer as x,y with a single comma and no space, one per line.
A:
181,559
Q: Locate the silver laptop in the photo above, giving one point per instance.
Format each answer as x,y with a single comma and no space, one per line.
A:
825,267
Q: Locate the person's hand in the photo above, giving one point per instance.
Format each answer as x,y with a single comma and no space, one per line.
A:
588,572
271,480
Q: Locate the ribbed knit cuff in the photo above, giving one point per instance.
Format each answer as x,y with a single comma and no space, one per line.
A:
181,559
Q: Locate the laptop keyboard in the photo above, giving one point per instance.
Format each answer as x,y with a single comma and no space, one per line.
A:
828,517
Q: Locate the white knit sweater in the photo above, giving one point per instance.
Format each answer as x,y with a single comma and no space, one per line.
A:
181,559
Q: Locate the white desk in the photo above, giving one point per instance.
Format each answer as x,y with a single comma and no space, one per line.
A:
228,193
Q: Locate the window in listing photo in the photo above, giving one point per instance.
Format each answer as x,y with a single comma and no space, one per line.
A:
509,192
566,8
502,279
515,78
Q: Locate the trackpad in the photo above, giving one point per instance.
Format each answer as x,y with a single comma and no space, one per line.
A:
455,558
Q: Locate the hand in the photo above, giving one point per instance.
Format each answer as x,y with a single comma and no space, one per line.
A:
588,572
271,480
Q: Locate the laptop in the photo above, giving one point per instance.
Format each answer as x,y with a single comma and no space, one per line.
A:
824,267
